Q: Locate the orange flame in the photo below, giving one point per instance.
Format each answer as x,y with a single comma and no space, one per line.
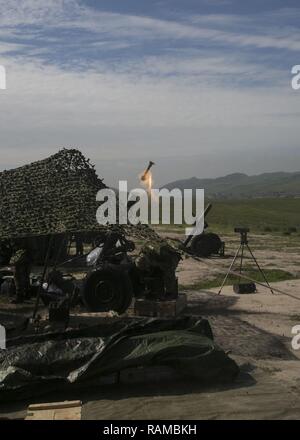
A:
147,181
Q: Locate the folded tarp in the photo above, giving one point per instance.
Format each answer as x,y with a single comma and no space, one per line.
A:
36,364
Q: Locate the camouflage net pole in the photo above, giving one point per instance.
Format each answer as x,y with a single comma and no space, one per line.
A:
37,301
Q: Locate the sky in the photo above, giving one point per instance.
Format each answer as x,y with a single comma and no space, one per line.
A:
200,87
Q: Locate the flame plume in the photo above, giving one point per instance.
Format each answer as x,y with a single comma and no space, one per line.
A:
147,181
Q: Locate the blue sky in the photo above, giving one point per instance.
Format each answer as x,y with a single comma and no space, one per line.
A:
200,86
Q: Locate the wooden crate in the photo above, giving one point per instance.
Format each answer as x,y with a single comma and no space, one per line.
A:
68,410
160,309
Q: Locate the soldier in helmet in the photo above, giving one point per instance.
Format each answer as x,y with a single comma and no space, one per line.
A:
160,257
22,262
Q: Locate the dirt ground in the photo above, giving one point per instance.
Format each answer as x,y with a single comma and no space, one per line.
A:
276,252
254,329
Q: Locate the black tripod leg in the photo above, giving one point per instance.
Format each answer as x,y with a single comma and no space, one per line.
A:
260,269
229,270
241,264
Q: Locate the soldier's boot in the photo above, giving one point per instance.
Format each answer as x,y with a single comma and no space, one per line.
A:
171,285
27,292
19,299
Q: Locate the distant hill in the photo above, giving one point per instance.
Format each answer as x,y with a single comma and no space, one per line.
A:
243,186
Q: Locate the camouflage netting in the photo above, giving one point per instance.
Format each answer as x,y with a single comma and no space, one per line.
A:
54,195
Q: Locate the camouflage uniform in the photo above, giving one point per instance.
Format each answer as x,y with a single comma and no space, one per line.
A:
160,255
5,253
22,262
79,244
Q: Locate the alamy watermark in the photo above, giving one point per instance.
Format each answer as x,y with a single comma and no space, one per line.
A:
2,78
296,78
152,206
296,338
2,338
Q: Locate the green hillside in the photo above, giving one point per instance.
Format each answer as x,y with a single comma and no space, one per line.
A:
243,186
282,214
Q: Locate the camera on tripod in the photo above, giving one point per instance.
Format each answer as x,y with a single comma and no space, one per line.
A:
243,287
244,234
242,230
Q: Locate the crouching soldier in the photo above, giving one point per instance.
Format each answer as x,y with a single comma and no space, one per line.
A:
159,260
22,261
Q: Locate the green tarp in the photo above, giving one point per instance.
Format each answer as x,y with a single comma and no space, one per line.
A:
35,364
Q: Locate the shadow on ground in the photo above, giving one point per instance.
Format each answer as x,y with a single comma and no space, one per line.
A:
234,334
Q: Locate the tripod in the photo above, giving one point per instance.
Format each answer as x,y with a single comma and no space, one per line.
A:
241,250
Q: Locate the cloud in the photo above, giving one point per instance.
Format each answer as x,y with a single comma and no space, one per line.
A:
122,85
44,97
38,12
260,30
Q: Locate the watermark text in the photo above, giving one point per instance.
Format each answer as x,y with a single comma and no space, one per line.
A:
2,338
296,78
155,206
2,78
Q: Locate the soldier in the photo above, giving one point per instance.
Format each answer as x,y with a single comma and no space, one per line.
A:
5,252
22,261
115,247
160,257
79,244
